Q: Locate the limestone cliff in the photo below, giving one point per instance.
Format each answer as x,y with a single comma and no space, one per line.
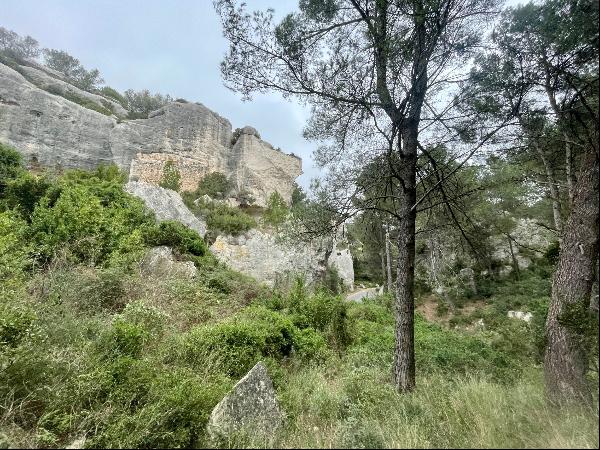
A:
50,130
271,260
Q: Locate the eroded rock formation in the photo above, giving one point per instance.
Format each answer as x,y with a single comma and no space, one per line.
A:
50,130
269,259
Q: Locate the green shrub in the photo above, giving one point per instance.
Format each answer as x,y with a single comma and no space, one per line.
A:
16,322
11,164
176,235
235,345
172,412
86,214
223,219
23,193
215,184
310,345
125,339
14,247
324,312
171,177
276,211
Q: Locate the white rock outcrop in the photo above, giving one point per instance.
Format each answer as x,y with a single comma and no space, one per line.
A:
270,260
166,205
521,315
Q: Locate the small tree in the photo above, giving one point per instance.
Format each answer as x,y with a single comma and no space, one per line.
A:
72,69
16,46
215,184
277,210
171,178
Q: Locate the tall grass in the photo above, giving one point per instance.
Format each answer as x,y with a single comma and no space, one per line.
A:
337,408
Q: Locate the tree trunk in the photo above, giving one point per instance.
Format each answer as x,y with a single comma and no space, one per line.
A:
388,256
513,258
404,303
554,192
569,169
565,361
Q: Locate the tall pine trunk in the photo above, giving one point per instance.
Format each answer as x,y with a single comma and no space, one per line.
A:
565,361
388,257
404,303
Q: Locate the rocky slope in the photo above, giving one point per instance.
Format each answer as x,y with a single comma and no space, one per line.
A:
50,130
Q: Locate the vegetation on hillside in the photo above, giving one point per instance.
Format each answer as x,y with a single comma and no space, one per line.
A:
91,347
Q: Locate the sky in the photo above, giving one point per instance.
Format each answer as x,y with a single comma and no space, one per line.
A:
172,47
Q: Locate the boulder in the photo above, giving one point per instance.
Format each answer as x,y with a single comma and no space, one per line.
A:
160,262
166,204
521,315
251,404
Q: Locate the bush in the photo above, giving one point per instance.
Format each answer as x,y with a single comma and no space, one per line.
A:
215,184
11,164
235,345
175,235
14,248
223,219
276,211
171,178
23,193
87,214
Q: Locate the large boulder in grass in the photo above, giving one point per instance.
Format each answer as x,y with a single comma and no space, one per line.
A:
251,405
166,204
159,262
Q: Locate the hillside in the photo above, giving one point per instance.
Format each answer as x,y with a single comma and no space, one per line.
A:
102,347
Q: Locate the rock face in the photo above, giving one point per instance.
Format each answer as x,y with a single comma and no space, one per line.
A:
166,204
159,262
528,233
341,260
251,404
264,257
52,131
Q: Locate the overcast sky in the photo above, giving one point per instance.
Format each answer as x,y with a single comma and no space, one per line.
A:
172,47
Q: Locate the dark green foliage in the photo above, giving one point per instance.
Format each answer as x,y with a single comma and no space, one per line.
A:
86,214
215,184
223,219
11,164
171,177
23,193
276,211
237,344
16,322
175,235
